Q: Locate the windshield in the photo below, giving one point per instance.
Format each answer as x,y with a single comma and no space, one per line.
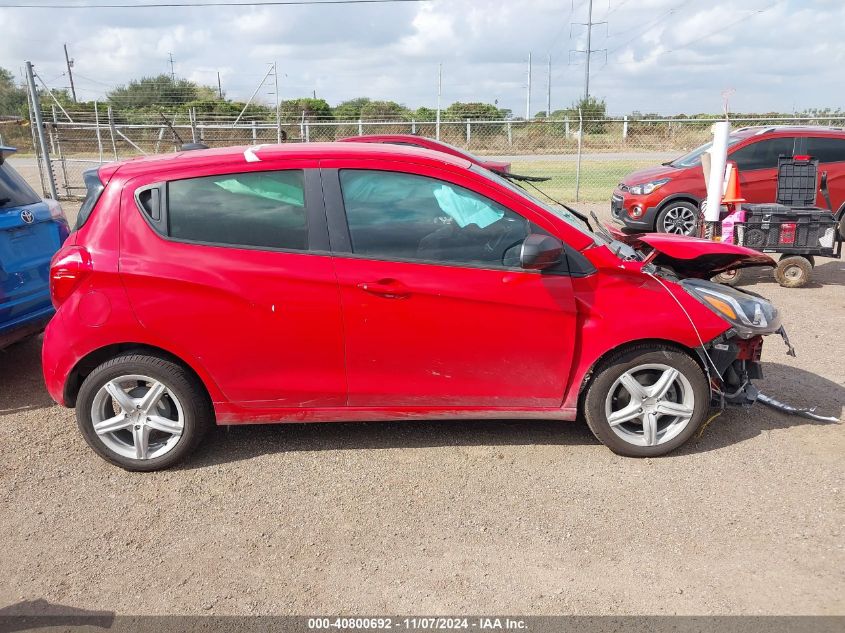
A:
560,212
14,192
694,157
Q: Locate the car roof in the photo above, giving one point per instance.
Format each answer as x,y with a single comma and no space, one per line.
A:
245,154
800,130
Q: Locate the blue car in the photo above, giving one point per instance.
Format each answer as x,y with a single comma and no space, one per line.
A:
31,231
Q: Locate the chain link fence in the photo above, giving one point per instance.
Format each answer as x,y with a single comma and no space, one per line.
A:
583,159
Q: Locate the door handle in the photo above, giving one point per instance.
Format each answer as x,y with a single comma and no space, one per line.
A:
387,288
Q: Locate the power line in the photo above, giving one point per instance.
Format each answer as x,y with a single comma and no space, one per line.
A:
157,5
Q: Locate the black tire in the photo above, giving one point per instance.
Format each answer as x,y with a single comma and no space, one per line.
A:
728,278
677,209
196,406
614,367
793,271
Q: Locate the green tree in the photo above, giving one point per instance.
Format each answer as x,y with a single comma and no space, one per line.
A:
425,114
350,110
314,109
12,98
477,111
162,90
385,111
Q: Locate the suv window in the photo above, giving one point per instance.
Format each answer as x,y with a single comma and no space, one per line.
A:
403,216
763,154
827,150
263,209
14,192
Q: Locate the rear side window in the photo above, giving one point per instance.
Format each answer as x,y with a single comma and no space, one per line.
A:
14,192
827,150
763,154
94,189
258,209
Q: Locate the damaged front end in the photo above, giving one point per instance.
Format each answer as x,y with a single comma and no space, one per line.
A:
733,359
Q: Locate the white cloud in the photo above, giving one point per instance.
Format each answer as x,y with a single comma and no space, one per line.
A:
659,60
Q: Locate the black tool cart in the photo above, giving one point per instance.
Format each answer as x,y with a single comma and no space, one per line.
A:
793,226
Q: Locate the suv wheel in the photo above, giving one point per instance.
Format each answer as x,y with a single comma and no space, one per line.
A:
678,217
142,412
646,401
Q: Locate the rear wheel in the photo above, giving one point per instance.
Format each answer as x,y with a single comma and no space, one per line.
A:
680,218
142,412
793,271
729,277
646,401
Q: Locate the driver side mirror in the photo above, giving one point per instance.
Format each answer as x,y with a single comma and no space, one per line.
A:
540,251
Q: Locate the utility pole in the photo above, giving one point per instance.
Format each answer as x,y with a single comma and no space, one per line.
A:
549,87
589,43
278,111
172,72
528,92
439,93
39,124
70,74
219,87
589,50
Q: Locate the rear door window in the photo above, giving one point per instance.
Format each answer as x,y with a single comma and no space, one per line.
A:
14,192
763,154
256,209
826,150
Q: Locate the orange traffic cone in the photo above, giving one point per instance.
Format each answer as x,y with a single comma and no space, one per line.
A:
732,192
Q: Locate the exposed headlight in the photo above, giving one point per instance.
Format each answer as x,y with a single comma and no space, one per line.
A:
648,187
748,314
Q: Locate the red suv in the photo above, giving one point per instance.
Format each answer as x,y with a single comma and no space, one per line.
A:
666,198
350,281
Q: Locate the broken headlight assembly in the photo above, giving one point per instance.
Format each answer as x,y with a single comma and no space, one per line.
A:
749,315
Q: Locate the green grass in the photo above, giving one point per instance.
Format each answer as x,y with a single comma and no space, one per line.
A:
598,178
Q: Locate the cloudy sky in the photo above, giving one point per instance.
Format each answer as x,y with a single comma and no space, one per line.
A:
665,56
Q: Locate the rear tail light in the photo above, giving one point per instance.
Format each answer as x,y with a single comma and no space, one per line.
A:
787,233
70,266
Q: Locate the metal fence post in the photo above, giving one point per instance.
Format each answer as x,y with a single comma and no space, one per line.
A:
360,127
97,128
566,126
625,128
52,136
307,132
413,126
469,133
510,133
192,119
39,124
578,159
112,131
254,134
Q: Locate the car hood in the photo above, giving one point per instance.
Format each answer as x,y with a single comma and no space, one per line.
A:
642,176
693,256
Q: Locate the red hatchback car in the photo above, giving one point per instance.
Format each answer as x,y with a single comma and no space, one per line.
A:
666,198
347,281
413,140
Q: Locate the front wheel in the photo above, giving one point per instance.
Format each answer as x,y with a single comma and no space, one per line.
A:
646,401
680,218
142,412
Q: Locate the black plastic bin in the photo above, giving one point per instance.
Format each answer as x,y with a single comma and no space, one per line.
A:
798,181
776,228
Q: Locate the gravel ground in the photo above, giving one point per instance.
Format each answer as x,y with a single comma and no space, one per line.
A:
449,517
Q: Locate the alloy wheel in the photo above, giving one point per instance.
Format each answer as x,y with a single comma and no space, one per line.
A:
679,220
650,405
137,417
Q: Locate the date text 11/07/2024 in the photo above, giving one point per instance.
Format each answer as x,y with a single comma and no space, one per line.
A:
418,623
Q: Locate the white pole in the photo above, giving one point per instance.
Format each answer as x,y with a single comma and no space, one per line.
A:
439,93
99,136
715,181
528,92
278,112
